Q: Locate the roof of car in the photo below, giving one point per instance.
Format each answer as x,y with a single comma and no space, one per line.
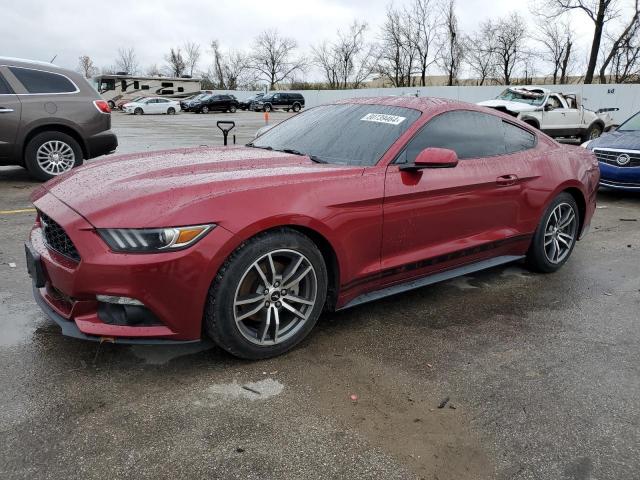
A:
417,103
23,62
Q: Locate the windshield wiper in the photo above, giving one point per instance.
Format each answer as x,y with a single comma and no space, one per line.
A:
251,144
317,159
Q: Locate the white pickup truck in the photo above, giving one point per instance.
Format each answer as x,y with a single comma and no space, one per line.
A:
556,114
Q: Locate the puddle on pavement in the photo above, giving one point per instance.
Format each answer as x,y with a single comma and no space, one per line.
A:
463,283
17,327
161,354
260,390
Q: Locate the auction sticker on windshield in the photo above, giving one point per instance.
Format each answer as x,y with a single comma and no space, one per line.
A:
383,118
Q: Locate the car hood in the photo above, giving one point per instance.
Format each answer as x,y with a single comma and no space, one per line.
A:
618,140
164,188
512,106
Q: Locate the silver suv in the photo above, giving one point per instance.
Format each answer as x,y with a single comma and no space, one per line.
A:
51,119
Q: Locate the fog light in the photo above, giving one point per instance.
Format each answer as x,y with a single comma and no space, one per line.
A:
119,300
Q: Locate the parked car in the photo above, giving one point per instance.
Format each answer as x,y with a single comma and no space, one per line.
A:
246,104
215,103
188,103
51,119
556,114
619,155
152,105
119,104
340,205
279,101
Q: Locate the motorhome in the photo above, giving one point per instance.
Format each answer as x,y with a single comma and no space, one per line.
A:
113,87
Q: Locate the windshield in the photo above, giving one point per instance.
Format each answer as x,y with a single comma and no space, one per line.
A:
349,134
522,96
631,125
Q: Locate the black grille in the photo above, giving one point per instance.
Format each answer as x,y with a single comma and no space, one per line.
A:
610,157
57,239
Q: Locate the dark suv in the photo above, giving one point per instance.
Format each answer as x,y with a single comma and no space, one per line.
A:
279,100
50,118
215,103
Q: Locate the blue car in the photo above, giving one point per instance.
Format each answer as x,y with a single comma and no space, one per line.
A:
619,155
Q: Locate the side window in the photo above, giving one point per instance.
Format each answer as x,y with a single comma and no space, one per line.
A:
517,139
469,134
4,87
554,102
123,85
37,81
145,87
136,84
181,89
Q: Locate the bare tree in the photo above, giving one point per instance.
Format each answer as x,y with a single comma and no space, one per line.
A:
625,64
153,71
175,62
452,50
481,53
230,70
599,12
510,34
425,21
398,52
349,61
127,61
625,39
274,57
86,66
192,56
556,40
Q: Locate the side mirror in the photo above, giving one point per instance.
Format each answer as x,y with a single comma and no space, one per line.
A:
433,158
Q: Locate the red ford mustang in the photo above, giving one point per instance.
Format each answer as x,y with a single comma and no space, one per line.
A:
340,205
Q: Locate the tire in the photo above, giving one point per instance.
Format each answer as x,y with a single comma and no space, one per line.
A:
296,107
39,155
238,278
540,257
232,109
111,104
267,108
204,109
593,132
138,111
171,111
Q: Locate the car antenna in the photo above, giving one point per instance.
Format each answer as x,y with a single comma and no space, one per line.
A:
54,57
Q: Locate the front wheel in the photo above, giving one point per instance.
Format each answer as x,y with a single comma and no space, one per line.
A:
267,296
204,109
50,154
138,111
171,111
555,236
592,133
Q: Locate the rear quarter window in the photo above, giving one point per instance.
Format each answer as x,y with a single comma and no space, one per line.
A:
4,87
517,139
38,81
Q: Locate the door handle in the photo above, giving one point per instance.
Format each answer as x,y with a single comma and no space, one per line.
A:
507,180
6,110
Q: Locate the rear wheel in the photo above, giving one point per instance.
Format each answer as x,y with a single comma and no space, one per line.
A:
296,107
555,236
204,109
111,104
50,154
267,108
138,111
268,295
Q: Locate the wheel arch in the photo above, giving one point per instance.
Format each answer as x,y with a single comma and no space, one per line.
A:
534,122
315,234
55,128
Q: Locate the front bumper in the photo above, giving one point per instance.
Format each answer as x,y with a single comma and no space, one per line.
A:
621,178
101,144
173,286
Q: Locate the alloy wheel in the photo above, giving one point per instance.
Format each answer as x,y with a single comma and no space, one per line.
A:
55,157
275,297
560,233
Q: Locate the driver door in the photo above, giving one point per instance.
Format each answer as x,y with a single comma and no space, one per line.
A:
10,112
440,218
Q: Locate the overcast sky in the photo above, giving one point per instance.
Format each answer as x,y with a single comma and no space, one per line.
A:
40,29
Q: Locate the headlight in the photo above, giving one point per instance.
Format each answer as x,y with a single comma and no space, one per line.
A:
151,240
586,144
